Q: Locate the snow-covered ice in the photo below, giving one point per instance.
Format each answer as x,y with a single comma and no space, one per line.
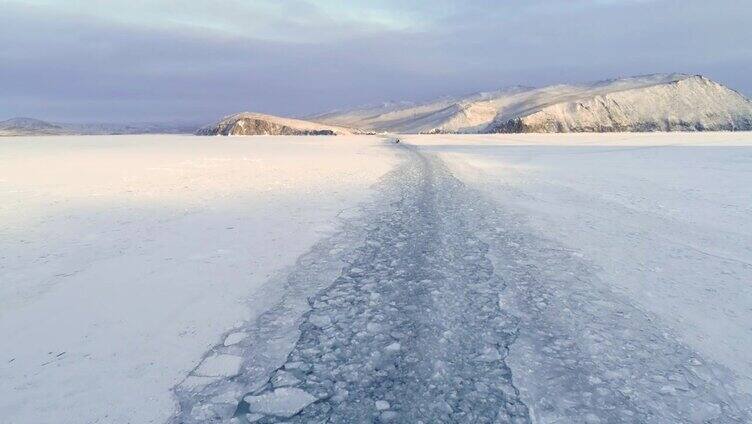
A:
219,366
422,275
123,259
284,402
525,278
382,405
234,338
641,234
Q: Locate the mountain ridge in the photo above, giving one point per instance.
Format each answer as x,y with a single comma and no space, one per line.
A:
652,102
23,126
693,103
719,108
29,126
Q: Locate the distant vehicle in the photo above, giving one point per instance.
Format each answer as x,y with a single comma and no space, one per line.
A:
396,140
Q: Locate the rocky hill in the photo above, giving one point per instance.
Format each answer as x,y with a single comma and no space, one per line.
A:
30,126
247,123
661,102
37,127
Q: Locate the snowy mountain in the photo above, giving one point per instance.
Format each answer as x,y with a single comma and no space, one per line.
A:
468,114
34,127
29,126
688,104
247,123
132,128
660,102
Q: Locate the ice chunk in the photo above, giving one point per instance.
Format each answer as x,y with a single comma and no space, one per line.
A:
252,418
394,347
234,338
302,366
592,419
490,354
388,416
220,366
667,390
321,321
283,402
284,378
382,405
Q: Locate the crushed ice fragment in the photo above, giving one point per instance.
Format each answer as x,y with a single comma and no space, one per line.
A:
234,338
321,321
388,416
490,354
283,402
252,418
382,405
592,419
394,347
340,396
283,379
220,366
668,390
301,366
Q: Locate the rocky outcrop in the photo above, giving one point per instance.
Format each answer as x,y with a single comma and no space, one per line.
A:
259,124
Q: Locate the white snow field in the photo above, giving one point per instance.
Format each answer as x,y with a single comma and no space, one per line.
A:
123,259
551,278
665,223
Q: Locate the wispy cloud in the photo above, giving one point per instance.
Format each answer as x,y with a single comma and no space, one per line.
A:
136,59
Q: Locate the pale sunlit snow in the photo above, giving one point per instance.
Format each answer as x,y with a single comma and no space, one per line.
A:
123,258
603,278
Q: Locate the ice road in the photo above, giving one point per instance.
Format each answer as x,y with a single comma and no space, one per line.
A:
451,310
579,278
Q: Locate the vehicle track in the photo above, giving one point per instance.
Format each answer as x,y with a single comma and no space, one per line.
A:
416,323
411,331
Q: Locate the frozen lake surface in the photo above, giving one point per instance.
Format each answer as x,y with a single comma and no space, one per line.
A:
124,258
640,235
547,278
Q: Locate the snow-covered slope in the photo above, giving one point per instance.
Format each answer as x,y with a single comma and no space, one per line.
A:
29,126
469,114
688,104
660,102
247,123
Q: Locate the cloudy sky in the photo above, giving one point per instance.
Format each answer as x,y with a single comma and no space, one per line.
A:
194,61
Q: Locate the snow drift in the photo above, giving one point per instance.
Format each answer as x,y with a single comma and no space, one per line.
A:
247,123
661,102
